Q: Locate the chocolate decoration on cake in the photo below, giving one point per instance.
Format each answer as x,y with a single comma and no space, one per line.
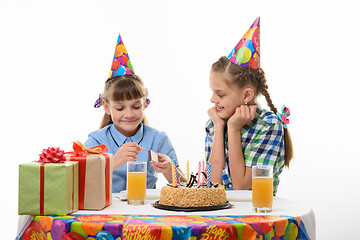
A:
193,181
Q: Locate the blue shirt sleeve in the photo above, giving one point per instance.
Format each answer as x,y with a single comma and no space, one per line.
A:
91,142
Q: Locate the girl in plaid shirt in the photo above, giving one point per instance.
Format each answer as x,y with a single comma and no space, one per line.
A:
239,133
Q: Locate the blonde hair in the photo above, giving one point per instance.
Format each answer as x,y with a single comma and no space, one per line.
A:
255,77
120,88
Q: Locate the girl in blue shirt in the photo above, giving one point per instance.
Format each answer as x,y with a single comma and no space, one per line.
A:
123,129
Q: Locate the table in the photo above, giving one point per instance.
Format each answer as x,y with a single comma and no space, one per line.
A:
288,219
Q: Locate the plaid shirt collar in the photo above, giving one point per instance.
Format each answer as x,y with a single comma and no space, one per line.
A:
249,125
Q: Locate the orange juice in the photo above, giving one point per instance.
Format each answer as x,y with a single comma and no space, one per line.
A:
262,192
136,185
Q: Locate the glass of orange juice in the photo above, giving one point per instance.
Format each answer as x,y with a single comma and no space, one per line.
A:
136,182
262,188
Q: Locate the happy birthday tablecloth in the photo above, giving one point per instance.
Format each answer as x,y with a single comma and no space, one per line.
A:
156,227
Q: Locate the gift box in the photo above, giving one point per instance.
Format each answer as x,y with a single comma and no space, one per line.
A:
48,188
95,175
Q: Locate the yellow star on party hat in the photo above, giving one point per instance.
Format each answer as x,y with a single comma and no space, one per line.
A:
247,52
121,63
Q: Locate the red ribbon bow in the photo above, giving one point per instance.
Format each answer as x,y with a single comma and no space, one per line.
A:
80,149
52,155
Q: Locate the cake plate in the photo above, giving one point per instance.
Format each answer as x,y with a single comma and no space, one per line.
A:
192,209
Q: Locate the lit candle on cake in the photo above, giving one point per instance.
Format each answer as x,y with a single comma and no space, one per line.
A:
208,175
187,171
176,176
199,173
173,174
203,171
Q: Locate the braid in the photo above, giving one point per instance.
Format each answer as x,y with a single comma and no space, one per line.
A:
289,154
264,91
268,100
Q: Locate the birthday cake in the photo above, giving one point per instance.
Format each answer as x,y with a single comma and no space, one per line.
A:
192,196
196,191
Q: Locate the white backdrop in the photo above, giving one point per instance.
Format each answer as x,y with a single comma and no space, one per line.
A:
56,55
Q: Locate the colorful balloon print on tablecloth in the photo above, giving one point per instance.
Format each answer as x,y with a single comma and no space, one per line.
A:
248,232
120,218
34,230
76,227
270,234
223,231
195,229
180,232
280,227
114,229
72,236
58,229
117,227
291,231
223,218
166,233
46,222
239,228
91,228
261,224
103,235
130,231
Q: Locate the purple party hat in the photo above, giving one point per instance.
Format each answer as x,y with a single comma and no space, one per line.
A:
247,52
